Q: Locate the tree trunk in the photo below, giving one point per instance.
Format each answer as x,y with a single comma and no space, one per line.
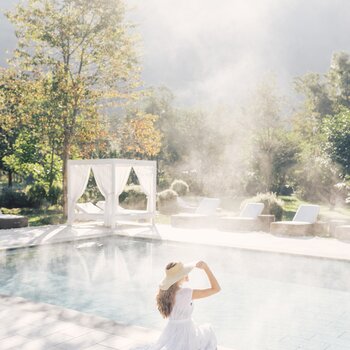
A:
9,178
66,153
51,169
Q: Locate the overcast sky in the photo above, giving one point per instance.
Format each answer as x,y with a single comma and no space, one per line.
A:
215,51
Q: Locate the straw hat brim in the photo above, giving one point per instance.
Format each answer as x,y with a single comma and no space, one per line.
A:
168,281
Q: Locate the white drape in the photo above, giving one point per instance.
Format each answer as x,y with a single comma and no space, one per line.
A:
145,176
78,177
103,177
122,173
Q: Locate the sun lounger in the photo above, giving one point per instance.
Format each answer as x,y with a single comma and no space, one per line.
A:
88,211
248,219
203,217
302,223
8,221
184,207
127,214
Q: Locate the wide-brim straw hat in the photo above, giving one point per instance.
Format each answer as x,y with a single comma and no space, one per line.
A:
175,274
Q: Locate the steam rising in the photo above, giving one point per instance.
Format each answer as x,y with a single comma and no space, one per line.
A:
213,52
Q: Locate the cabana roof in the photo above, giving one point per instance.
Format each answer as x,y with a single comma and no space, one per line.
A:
116,161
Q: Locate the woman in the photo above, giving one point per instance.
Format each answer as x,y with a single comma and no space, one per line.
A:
175,304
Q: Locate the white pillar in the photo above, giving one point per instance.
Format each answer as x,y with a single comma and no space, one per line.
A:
70,205
114,195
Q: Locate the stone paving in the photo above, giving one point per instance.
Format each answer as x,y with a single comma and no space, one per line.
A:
37,326
330,248
28,325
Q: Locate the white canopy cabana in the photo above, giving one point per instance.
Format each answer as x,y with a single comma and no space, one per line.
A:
111,176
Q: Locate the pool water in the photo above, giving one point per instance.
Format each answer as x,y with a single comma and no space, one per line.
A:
268,301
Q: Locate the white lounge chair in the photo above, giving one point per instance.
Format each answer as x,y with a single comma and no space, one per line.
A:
88,211
302,223
126,214
184,207
203,217
247,220
12,221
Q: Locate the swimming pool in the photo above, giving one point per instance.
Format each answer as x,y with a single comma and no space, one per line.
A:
268,301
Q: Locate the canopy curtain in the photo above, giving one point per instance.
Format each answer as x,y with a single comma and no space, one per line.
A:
145,176
78,177
122,173
103,177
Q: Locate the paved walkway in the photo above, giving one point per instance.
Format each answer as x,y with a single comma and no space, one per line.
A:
36,326
330,248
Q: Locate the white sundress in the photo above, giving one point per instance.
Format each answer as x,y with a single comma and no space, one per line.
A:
181,333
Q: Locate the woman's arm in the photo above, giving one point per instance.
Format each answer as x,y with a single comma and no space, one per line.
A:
214,285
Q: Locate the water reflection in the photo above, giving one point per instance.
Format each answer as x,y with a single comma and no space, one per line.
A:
268,295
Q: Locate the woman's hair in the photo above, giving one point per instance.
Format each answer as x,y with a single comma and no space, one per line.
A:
166,298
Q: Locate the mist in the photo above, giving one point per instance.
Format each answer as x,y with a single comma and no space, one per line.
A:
212,53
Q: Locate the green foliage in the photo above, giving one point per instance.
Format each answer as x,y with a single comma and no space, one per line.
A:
49,216
324,127
167,201
318,102
339,77
273,162
272,147
36,195
341,193
133,197
92,193
84,59
316,176
337,132
167,195
11,198
139,137
272,204
180,187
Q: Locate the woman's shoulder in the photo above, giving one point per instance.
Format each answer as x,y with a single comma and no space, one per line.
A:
185,293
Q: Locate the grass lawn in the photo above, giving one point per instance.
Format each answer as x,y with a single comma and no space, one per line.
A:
53,215
37,217
291,204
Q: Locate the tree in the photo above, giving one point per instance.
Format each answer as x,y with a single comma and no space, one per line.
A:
339,80
87,49
16,93
337,132
139,137
273,148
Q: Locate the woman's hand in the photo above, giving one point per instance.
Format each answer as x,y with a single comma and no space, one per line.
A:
214,285
201,265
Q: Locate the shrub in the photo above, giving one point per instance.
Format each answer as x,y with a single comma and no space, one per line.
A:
54,194
51,220
10,198
286,190
36,194
133,197
272,204
167,201
180,187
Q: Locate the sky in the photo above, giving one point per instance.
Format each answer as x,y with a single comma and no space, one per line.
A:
215,52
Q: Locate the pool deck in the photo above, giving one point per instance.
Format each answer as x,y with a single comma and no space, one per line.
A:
37,326
329,248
